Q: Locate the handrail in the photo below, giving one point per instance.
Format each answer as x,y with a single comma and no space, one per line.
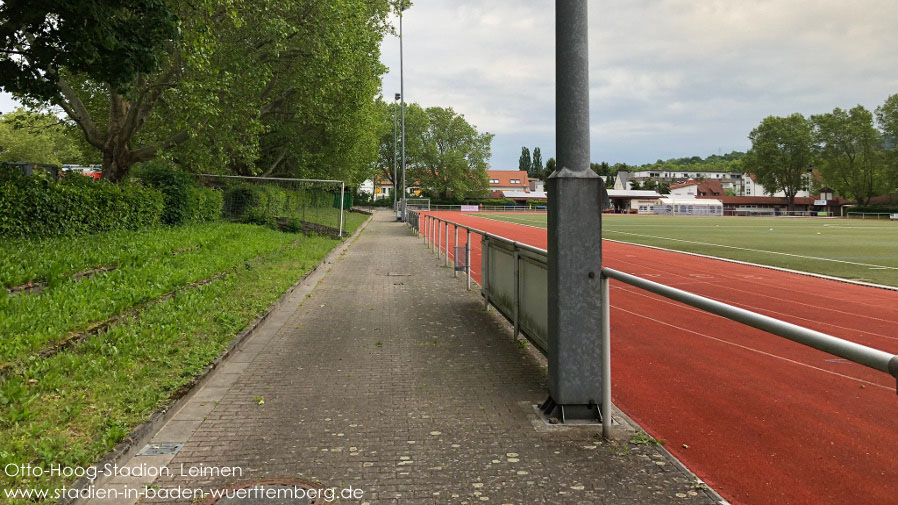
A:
489,235
852,351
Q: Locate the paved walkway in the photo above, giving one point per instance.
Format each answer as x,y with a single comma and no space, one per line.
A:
388,376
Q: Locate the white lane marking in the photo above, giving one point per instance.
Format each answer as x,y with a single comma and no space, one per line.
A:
746,306
794,362
755,250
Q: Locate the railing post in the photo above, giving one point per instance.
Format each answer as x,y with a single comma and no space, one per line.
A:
439,238
455,254
517,292
606,358
485,270
468,256
446,263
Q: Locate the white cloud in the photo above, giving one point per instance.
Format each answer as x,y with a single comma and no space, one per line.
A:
668,77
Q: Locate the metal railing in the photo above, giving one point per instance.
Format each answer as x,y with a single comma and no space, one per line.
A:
520,294
492,208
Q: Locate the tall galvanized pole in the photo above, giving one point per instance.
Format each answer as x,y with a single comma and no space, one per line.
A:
575,231
395,163
402,99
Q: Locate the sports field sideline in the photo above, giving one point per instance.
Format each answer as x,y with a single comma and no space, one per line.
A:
857,250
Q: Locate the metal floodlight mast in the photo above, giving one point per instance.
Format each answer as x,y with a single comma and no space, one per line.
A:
395,161
402,215
574,248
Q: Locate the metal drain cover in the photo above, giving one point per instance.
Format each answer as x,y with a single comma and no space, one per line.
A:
161,448
273,492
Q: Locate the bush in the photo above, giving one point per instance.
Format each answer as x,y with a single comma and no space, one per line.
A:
38,206
891,209
185,201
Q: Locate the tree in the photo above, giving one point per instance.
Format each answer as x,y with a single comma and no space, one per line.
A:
851,152
245,87
38,138
536,168
416,122
550,168
524,162
887,117
107,41
781,154
445,153
53,50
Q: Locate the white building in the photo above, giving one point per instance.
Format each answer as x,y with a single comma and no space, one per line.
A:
682,206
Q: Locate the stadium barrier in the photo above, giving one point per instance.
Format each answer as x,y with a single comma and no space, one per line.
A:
872,215
490,208
514,280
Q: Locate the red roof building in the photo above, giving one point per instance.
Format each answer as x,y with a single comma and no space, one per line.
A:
508,180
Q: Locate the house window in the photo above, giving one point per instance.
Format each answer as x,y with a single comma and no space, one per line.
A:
493,181
515,181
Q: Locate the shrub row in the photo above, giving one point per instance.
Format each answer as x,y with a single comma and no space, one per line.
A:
875,208
38,206
185,201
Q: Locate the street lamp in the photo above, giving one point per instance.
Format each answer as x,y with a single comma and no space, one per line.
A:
401,215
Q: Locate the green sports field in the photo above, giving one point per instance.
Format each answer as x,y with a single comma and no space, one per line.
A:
852,249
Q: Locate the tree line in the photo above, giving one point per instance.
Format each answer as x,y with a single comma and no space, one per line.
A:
855,151
257,87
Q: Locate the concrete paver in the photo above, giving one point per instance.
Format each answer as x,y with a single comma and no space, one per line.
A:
404,387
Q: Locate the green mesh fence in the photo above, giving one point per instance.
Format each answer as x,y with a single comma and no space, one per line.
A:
291,204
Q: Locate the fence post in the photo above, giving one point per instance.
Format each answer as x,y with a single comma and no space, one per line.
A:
485,270
455,254
439,238
517,292
447,245
468,256
342,191
606,358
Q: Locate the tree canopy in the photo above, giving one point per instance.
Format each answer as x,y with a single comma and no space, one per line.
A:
37,138
445,155
525,163
851,152
782,153
214,85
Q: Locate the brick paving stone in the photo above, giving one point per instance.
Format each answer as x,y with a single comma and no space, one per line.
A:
406,388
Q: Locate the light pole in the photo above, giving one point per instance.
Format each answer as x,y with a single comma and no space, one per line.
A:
401,215
395,162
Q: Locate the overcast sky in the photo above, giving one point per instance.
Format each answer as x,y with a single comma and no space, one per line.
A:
668,78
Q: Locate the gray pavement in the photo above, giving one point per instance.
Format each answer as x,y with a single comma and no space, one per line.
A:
386,375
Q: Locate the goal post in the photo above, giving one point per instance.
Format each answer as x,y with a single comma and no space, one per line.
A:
308,205
418,203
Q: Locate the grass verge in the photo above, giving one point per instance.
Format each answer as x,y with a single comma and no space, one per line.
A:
72,408
31,322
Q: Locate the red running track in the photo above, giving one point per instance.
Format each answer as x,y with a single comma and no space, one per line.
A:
761,419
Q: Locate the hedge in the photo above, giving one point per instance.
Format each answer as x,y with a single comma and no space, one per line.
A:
185,200
39,206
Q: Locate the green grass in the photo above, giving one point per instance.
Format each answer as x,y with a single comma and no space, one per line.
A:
851,249
73,407
31,322
352,221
